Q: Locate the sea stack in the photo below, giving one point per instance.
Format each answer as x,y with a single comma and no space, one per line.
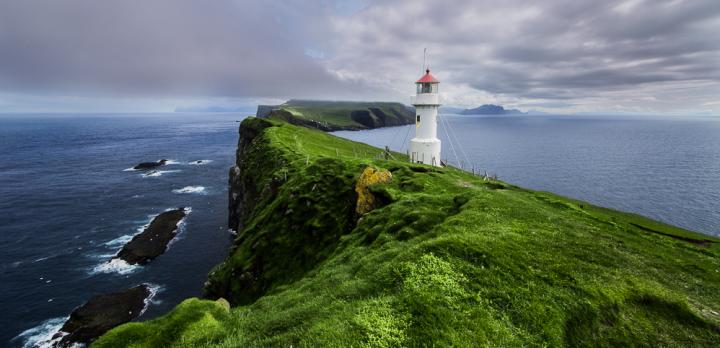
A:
102,313
153,241
150,165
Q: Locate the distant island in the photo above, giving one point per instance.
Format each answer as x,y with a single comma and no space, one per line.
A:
339,115
486,109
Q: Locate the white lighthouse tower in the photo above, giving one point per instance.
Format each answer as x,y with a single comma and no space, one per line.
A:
425,147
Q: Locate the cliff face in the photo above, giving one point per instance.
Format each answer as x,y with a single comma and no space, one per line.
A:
243,189
431,257
283,230
263,111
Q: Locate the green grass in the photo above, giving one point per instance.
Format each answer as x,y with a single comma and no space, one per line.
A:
449,260
337,114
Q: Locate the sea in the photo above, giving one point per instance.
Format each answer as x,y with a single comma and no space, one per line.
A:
69,199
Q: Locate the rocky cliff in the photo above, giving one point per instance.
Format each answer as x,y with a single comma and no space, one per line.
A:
317,207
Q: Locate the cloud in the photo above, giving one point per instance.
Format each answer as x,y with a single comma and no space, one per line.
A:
227,48
577,55
539,52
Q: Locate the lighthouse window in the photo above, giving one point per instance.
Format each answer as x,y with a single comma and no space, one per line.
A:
418,118
426,88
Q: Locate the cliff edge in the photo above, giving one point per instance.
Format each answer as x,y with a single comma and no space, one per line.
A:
337,246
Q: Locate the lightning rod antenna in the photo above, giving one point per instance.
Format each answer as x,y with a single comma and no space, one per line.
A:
424,55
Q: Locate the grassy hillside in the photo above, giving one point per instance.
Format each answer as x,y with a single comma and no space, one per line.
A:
339,115
445,258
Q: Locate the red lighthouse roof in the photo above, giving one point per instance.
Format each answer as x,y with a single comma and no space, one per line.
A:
427,78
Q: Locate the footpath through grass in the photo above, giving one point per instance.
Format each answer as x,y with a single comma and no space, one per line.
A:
445,259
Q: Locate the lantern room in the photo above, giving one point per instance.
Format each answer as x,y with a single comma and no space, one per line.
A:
427,84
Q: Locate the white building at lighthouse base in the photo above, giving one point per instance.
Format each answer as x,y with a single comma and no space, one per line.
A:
425,151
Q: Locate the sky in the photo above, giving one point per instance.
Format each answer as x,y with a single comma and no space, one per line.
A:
560,56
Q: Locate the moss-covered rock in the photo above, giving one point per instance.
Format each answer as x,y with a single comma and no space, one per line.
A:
366,200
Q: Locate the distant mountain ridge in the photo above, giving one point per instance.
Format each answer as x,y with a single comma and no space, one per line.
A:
491,109
485,109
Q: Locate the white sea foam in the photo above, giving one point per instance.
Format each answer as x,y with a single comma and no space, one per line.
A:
188,210
115,266
42,335
119,241
169,162
199,162
180,227
156,173
154,290
131,169
191,189
122,240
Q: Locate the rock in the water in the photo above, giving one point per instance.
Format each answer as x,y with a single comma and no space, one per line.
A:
153,241
150,165
102,313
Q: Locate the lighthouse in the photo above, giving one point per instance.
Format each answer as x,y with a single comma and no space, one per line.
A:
425,147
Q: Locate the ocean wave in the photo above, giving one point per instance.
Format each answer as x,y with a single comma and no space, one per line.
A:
115,265
199,162
168,162
156,173
154,290
191,189
42,335
120,241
